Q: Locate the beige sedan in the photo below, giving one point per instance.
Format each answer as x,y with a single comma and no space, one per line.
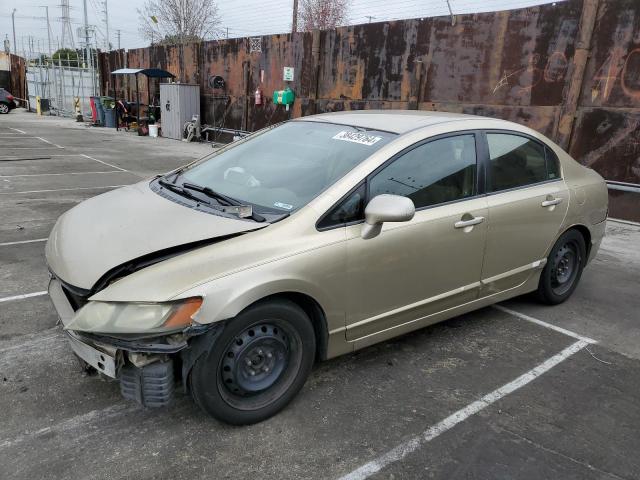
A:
231,276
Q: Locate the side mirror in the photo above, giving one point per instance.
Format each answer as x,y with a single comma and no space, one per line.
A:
385,208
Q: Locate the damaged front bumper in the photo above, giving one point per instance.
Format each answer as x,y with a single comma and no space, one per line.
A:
147,368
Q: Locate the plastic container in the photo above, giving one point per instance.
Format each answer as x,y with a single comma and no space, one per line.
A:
100,111
153,131
93,101
110,117
104,106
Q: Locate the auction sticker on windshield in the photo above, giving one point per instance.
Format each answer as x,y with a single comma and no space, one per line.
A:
357,137
286,206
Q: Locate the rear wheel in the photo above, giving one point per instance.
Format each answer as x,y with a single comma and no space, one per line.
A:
563,270
4,108
257,365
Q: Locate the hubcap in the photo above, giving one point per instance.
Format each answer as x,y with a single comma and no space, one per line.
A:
565,268
3,108
255,359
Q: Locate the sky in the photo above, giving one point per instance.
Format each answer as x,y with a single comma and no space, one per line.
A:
242,17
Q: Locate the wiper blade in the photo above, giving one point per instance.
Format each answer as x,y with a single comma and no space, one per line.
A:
178,189
222,199
211,193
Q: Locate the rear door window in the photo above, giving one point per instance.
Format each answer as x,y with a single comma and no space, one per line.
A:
516,161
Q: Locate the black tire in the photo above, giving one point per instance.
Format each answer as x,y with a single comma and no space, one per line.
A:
563,270
4,108
257,365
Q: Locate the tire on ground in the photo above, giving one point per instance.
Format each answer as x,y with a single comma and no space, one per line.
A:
283,328
570,245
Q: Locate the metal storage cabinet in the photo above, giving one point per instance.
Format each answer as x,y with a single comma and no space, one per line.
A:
179,102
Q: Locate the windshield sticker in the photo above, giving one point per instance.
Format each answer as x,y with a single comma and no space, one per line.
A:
286,206
357,137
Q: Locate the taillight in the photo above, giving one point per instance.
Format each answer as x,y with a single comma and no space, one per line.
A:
10,98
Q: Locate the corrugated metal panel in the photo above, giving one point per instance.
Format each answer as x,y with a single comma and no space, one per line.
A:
179,103
528,65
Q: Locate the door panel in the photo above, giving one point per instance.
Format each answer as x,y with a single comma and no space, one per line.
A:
414,269
527,205
521,231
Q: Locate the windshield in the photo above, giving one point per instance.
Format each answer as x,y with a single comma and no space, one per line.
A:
284,168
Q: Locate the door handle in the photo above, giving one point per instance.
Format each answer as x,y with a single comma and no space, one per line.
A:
551,203
468,223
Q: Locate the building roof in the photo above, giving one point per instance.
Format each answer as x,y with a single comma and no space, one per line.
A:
396,121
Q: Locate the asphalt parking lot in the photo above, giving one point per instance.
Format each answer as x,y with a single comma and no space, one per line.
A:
519,391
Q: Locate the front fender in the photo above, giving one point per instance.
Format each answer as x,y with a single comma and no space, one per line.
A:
320,275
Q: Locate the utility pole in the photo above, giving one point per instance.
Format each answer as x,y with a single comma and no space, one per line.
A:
46,9
50,53
13,24
67,33
227,33
118,35
453,18
106,21
87,46
294,21
370,17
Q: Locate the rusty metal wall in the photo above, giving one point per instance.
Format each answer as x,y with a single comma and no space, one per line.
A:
18,77
14,77
531,66
607,129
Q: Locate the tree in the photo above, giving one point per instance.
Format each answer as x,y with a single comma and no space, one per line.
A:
178,21
322,14
67,57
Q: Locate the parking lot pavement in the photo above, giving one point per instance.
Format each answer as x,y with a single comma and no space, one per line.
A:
516,392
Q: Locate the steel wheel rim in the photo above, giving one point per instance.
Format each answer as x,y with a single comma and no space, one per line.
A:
259,364
565,268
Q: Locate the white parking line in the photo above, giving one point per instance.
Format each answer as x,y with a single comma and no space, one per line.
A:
47,154
50,143
24,295
35,148
36,341
550,326
20,242
103,162
79,421
57,174
18,130
404,449
39,138
63,189
17,135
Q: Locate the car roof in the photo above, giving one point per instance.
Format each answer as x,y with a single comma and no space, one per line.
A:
395,121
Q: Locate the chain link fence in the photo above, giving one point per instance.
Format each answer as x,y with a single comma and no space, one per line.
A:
61,85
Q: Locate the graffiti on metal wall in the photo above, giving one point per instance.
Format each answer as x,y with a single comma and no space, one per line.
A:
535,72
620,66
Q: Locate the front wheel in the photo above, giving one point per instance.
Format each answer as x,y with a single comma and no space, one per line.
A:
257,365
563,270
4,108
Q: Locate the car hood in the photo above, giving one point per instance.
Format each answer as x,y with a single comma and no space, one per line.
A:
111,229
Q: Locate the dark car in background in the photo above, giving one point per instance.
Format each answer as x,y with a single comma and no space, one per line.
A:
6,101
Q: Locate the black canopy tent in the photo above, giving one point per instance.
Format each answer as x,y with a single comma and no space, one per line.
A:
149,73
